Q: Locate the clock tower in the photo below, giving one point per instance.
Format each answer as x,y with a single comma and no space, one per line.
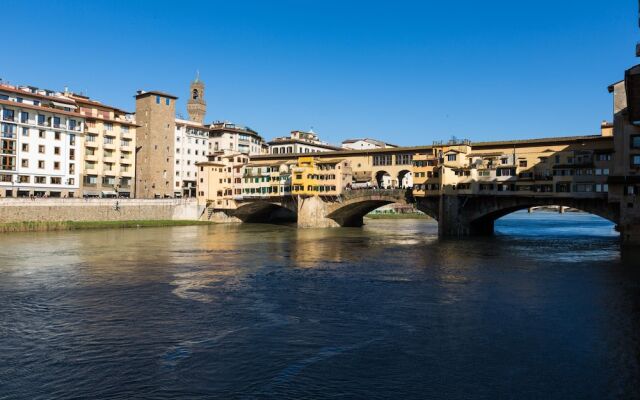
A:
196,106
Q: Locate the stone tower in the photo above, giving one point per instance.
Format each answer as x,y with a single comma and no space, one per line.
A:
196,106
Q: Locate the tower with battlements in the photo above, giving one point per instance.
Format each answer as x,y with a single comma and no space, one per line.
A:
196,106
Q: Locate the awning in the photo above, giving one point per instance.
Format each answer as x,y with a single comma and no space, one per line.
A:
64,105
109,193
90,193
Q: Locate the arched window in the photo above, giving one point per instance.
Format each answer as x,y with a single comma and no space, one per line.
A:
196,95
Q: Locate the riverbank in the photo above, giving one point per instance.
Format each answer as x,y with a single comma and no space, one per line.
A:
43,226
398,216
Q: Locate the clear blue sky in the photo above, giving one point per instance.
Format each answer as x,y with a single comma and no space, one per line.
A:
405,72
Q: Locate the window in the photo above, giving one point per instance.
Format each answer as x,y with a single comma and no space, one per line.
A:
56,150
157,99
523,163
41,164
635,161
41,149
56,180
72,124
24,117
404,159
91,138
25,147
24,179
167,101
25,131
25,163
635,141
56,165
452,157
108,140
108,126
41,179
8,115
382,159
42,134
505,172
72,154
56,122
41,119
56,135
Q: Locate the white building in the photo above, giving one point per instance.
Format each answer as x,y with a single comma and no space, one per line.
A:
195,141
365,144
40,143
300,142
226,136
191,146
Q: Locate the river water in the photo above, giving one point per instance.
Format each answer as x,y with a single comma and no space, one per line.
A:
547,309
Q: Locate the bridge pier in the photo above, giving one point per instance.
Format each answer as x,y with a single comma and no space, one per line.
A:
312,213
453,221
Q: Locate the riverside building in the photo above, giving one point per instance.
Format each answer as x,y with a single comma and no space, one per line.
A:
300,142
41,143
170,147
108,168
365,144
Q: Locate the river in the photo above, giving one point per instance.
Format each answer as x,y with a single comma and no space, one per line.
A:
547,308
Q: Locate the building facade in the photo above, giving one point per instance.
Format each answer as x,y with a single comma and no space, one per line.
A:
300,142
108,157
226,136
365,144
41,143
155,139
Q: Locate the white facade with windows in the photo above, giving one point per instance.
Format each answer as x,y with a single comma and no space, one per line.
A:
225,136
300,142
40,143
365,144
191,147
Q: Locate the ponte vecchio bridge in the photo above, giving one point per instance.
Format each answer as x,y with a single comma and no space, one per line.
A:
464,186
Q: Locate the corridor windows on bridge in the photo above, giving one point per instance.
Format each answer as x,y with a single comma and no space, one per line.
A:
382,159
404,159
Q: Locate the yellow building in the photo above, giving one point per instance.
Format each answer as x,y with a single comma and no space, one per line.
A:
220,179
109,149
324,177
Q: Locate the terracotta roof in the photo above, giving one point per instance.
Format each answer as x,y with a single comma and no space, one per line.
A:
416,149
43,109
40,96
154,92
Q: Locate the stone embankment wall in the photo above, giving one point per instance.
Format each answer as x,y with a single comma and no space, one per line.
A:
21,210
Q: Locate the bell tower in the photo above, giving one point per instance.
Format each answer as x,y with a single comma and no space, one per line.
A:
196,106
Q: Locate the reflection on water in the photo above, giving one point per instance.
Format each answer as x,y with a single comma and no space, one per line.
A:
547,308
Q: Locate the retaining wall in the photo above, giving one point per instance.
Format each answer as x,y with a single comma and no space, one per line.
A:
19,210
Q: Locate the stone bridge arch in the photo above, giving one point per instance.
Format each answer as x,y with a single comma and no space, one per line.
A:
354,205
476,215
265,211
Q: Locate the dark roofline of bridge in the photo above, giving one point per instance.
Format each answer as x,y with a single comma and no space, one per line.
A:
416,149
